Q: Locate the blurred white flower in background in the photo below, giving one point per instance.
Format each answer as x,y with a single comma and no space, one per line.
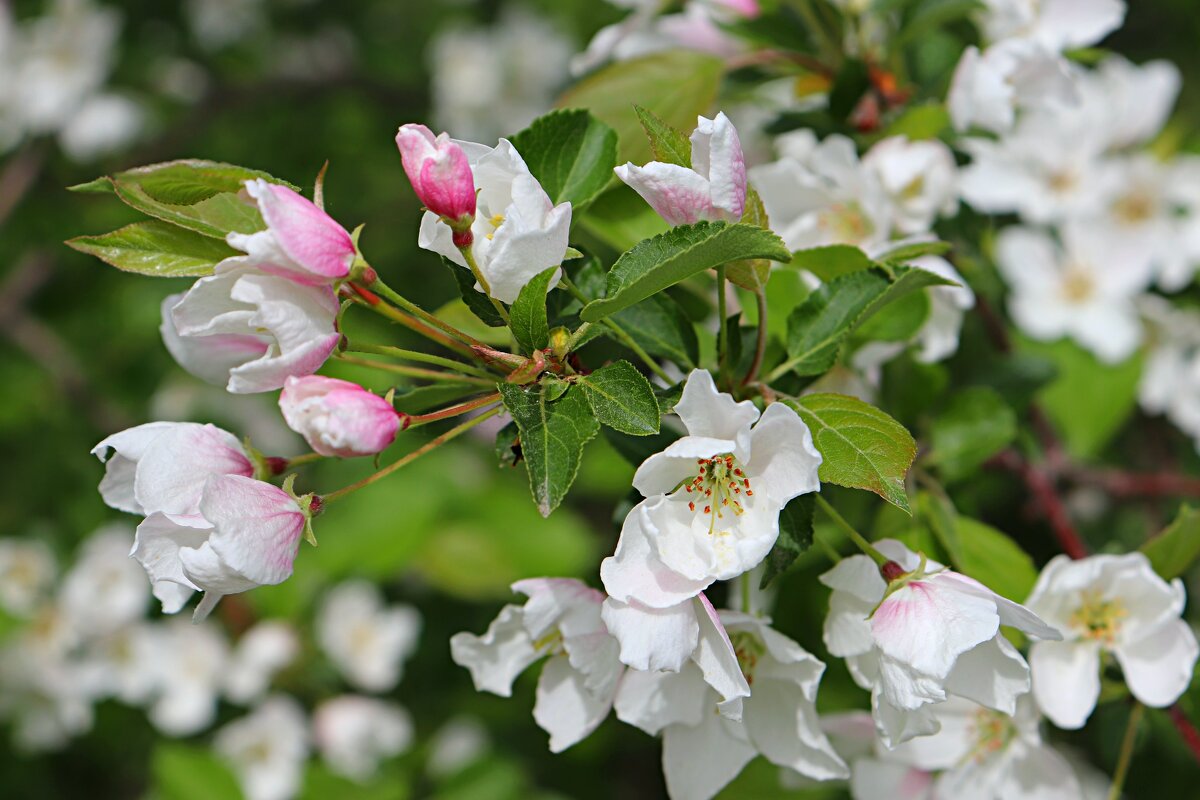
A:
27,570
105,589
260,654
220,23
367,641
354,733
192,660
267,748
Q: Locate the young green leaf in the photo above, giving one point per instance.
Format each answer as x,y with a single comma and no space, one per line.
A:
862,447
622,399
795,537
661,327
991,557
831,261
819,325
527,317
666,144
1174,550
654,264
975,425
474,299
571,153
553,435
908,252
156,248
189,181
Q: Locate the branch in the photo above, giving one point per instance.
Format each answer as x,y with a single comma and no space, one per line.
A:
1041,484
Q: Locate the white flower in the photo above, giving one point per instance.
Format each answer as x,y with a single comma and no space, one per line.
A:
365,640
926,637
104,124
246,534
989,88
1084,289
818,194
919,177
517,233
267,749
1129,102
645,31
124,663
1109,604
249,331
703,750
104,590
1056,24
938,337
460,742
1170,381
560,622
260,654
355,733
26,572
191,663
714,188
163,466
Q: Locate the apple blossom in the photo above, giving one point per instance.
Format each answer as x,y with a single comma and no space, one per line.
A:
191,661
439,173
989,87
1109,604
930,634
561,622
1084,288
365,640
703,750
26,572
354,733
104,124
517,233
301,243
1130,102
1170,380
937,338
260,654
43,694
104,590
1056,24
250,331
163,466
246,534
919,178
699,26
338,418
714,188
267,749
123,663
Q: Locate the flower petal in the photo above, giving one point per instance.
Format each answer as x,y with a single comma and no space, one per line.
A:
499,656
1159,667
635,572
782,725
653,700
699,761
993,674
717,660
652,638
565,708
1066,680
712,414
783,460
927,625
257,527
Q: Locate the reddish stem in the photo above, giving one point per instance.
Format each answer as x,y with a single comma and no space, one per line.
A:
1187,731
1131,484
1041,484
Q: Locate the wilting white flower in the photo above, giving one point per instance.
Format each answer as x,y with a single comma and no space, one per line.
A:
990,87
930,635
355,733
260,654
104,590
517,233
704,750
250,331
919,177
267,749
1084,288
560,622
1109,604
26,572
1055,24
163,466
819,193
191,662
246,534
365,640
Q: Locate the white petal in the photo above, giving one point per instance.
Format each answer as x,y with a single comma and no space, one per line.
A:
175,467
858,576
679,195
653,700
127,446
699,761
1040,773
499,656
928,625
570,605
897,725
993,674
635,572
1158,667
1066,680
783,460
652,638
157,546
565,708
715,656
709,413
874,779
782,724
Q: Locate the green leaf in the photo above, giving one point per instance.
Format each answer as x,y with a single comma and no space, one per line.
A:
527,317
920,122
862,447
752,274
1174,550
101,185
654,264
475,300
156,248
188,772
666,144
622,399
831,261
975,425
553,435
819,325
939,513
795,537
675,85
995,560
571,153
897,322
908,252
508,448
661,327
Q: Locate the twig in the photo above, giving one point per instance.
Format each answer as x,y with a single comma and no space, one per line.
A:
1187,731
1041,484
1120,483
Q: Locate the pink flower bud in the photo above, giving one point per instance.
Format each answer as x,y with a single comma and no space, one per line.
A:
338,418
440,175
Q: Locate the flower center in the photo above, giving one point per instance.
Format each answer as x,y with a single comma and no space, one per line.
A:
1099,619
1077,285
551,643
719,484
992,732
847,222
495,220
1062,181
749,649
1133,208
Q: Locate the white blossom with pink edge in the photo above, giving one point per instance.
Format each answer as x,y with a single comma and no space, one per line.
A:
301,243
439,173
929,635
714,188
163,466
338,418
1109,604
517,233
354,733
560,622
704,750
246,534
248,330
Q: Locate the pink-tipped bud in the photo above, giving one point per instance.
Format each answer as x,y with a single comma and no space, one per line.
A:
440,174
338,418
891,571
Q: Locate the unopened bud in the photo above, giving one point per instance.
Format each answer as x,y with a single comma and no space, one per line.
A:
891,571
560,340
439,172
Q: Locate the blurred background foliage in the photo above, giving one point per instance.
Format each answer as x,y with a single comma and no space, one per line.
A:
306,82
